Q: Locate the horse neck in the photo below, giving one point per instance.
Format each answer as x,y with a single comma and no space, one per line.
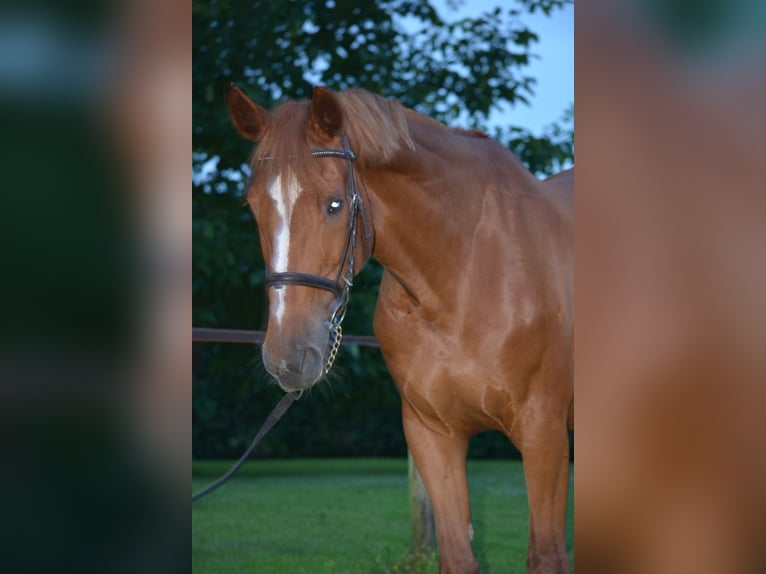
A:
426,206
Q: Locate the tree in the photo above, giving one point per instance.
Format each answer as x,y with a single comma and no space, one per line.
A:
454,71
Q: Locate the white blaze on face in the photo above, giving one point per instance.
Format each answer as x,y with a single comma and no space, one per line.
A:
283,192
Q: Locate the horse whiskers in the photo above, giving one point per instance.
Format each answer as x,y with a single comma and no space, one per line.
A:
258,372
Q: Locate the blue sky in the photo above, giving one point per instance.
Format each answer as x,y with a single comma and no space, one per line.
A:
553,69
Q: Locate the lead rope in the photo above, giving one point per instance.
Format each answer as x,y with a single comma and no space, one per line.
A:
274,416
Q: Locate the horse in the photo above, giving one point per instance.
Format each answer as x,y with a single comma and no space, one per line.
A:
474,315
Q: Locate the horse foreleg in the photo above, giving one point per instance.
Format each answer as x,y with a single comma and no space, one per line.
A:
545,449
441,461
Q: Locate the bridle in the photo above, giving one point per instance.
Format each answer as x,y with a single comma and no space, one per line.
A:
341,285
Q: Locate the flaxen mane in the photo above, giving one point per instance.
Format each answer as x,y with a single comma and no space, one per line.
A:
376,129
284,148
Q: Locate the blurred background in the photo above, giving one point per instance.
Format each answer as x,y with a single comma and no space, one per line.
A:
95,294
670,283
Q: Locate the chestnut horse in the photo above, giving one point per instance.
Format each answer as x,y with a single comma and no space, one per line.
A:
474,314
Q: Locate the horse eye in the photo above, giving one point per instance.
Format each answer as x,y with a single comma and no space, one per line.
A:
334,206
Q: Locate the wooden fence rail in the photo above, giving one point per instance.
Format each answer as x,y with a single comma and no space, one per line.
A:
206,335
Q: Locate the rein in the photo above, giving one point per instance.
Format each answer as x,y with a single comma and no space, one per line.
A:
274,416
341,285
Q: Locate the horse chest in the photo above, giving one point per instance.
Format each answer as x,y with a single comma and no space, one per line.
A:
452,384
469,371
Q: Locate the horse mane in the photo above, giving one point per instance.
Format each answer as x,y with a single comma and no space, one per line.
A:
375,127
284,148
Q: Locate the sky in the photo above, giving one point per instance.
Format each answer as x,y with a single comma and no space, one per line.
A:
554,69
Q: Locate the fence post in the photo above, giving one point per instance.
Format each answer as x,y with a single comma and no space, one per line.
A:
423,535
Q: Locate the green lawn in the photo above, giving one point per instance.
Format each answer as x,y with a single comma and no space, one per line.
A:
345,516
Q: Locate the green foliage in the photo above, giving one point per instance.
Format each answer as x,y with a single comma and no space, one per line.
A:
546,154
456,71
546,6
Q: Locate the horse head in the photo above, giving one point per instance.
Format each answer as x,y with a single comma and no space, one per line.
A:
303,195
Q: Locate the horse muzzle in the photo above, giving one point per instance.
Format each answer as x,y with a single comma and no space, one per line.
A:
296,368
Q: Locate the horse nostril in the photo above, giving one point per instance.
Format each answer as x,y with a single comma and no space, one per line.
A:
299,367
305,359
286,368
310,356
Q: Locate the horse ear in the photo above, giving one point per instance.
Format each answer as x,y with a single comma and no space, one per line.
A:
326,112
250,119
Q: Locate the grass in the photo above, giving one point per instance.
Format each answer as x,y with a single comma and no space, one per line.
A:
345,516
